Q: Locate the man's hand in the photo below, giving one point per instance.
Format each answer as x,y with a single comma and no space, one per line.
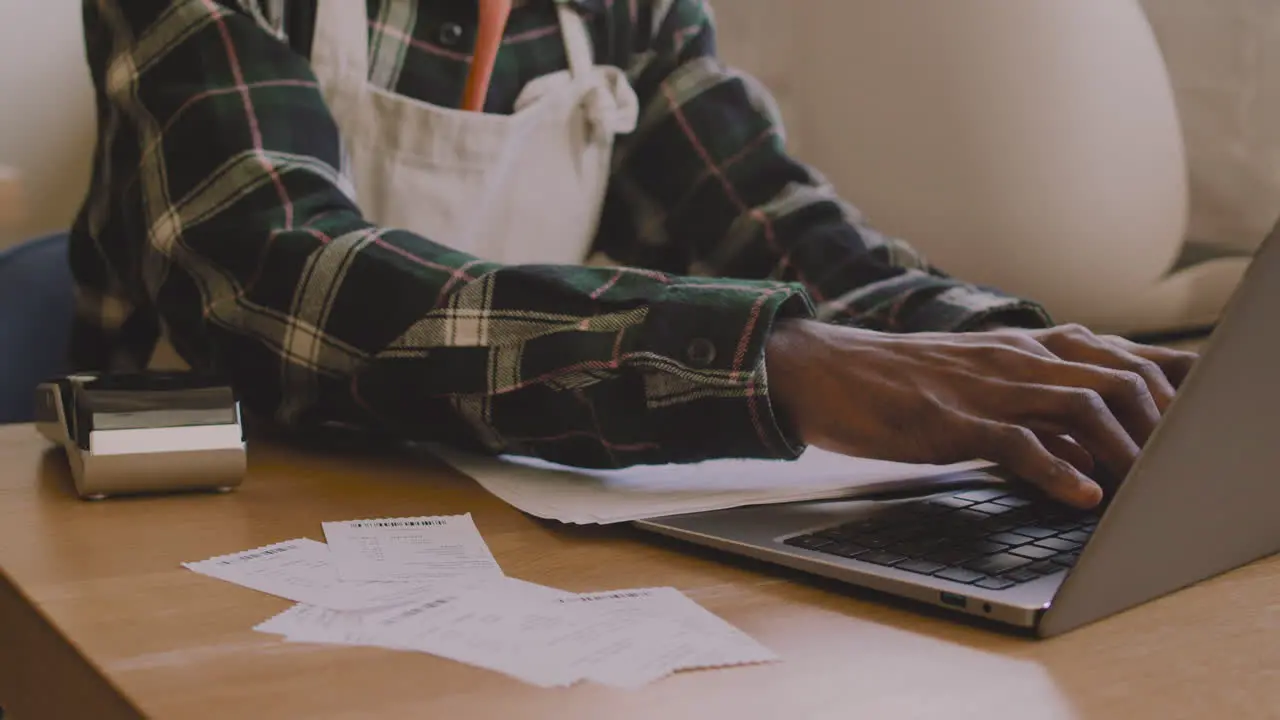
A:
1042,403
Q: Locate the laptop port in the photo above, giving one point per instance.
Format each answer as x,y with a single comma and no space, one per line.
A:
953,599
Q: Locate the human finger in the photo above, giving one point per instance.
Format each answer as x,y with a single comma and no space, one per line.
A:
1083,347
1127,395
1019,450
1067,449
1085,416
1174,364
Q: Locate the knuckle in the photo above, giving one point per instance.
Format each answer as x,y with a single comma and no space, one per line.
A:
1023,341
1011,351
1077,330
991,354
1130,383
1146,368
1014,437
1083,401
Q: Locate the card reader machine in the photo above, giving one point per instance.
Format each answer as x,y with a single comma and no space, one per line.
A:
148,432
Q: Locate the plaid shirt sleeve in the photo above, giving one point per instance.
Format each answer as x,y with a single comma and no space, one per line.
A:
708,172
215,211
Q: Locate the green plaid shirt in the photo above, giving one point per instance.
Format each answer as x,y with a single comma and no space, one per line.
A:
215,212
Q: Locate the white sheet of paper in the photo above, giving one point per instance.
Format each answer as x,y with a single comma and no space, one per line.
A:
452,627
678,634
422,549
303,621
301,570
325,624
586,496
542,636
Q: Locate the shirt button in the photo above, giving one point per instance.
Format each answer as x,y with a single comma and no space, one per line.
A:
450,33
701,352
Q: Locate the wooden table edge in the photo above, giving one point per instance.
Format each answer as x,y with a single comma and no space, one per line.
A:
34,652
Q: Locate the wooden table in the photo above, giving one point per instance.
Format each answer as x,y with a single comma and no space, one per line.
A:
97,620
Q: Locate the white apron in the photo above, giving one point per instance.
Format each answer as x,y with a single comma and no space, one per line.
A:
521,188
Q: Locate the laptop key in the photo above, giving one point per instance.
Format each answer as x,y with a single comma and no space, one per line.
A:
1017,516
950,556
1001,524
872,524
1079,536
1012,501
950,501
846,549
997,564
981,495
1058,544
1033,552
873,541
960,531
809,542
914,548
1062,525
1068,560
985,547
1044,567
1010,539
960,575
1022,575
1034,532
967,515
995,583
849,530
991,508
924,567
880,557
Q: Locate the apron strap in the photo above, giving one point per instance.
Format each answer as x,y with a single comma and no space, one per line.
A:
577,42
340,51
610,102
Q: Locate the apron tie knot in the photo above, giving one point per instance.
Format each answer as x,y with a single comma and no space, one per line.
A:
611,104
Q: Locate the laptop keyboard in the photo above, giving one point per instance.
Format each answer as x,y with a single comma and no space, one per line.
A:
989,538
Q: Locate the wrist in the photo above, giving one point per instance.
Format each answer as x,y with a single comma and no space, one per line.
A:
785,349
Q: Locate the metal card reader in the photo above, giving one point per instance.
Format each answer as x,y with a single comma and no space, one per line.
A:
147,432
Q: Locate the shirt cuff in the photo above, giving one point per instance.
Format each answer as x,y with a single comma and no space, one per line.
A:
969,308
939,304
708,394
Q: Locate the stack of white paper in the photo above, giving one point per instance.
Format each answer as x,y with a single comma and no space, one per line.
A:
585,496
430,584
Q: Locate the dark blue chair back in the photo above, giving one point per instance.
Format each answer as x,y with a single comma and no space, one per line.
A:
36,306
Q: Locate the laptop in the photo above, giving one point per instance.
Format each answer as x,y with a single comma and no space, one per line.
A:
1203,498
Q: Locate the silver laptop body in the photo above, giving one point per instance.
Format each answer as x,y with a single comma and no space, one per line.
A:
1204,498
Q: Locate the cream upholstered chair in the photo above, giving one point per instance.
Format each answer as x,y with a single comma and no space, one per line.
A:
1033,146
46,147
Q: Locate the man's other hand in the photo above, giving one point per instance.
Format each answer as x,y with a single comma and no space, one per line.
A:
1042,403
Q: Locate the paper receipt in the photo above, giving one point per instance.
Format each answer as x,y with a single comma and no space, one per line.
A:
544,637
301,570
410,549
430,585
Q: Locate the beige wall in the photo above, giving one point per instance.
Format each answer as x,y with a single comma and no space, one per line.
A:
46,111
754,37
